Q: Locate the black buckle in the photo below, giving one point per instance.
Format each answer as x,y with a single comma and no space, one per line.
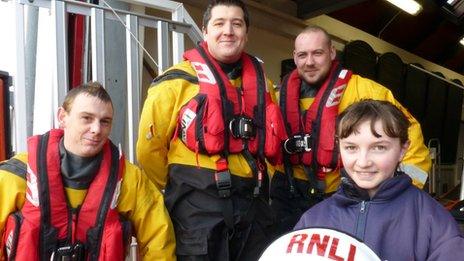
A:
65,251
223,183
242,127
298,143
74,252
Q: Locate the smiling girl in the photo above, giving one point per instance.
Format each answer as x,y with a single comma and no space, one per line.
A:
376,201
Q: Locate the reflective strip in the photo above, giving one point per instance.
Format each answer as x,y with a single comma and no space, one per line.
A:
14,166
173,75
415,173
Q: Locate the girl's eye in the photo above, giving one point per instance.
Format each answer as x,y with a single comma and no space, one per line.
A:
380,148
350,148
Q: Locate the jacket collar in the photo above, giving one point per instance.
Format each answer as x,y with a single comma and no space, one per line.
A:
349,193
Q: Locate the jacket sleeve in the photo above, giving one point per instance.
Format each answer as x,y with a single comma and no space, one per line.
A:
143,204
157,125
451,249
417,161
12,194
302,222
446,239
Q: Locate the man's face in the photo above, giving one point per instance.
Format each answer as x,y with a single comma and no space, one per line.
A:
86,126
226,33
313,56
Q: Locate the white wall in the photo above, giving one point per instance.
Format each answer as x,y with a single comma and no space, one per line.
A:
7,42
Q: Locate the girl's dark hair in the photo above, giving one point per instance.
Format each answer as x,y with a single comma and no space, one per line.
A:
395,123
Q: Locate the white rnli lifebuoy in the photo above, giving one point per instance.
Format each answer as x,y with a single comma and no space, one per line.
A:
318,244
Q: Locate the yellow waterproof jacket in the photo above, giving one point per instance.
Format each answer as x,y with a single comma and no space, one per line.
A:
416,163
157,146
139,202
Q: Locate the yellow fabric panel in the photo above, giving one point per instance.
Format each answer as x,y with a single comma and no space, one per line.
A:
305,103
75,196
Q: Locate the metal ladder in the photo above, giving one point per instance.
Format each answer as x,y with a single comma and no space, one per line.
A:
182,24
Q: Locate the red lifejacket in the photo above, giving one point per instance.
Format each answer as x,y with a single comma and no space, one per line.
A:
204,123
319,121
46,223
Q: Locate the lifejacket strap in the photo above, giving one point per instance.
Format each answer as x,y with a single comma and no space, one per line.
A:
94,234
257,173
317,187
316,128
289,174
223,93
223,181
222,178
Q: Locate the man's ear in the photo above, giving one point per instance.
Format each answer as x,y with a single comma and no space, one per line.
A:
294,56
203,30
61,115
333,52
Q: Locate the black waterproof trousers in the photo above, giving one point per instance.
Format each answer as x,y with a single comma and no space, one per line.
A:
209,227
288,207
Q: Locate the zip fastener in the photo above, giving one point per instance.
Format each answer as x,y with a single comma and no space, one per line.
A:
361,221
363,206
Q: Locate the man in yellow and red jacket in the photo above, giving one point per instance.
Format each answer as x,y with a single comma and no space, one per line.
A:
310,99
74,196
207,128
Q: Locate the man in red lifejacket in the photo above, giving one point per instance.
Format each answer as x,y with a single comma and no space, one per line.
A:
207,126
73,196
311,97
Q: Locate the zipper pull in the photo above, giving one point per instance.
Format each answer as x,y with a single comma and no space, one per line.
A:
363,206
